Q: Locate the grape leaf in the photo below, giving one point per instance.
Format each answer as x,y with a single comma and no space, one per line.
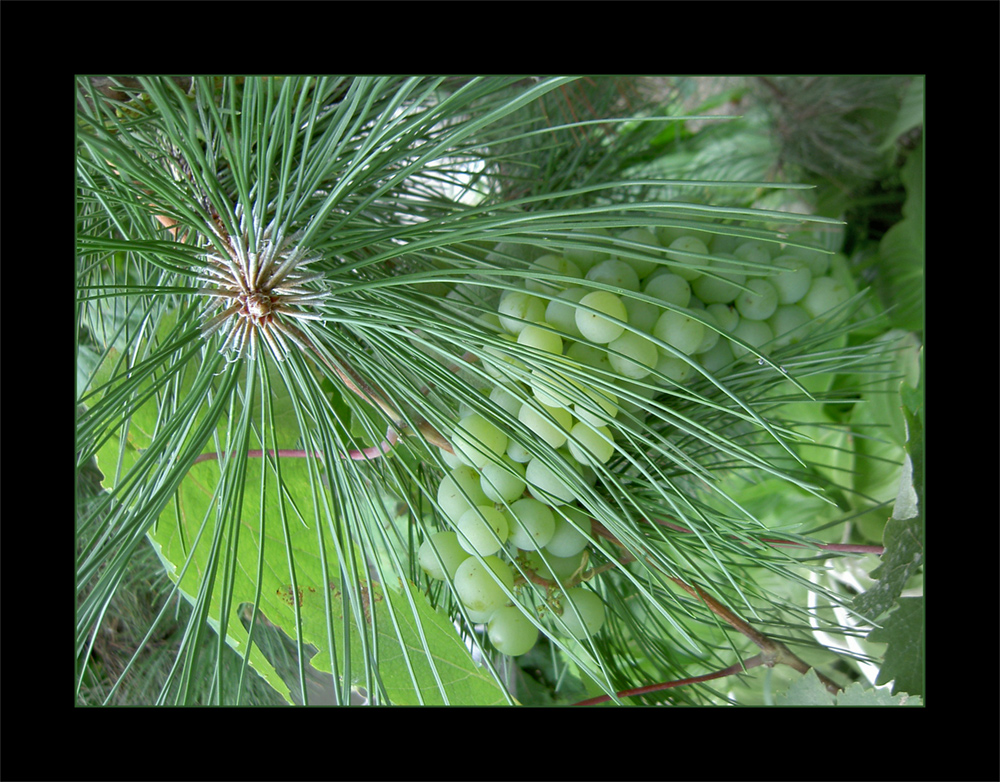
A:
903,537
810,691
903,630
247,559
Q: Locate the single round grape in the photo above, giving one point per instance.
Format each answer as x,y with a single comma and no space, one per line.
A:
755,252
711,335
551,424
679,330
517,309
588,617
601,406
587,257
482,529
502,357
786,323
551,264
641,314
715,359
440,555
819,262
541,338
554,568
754,332
518,452
551,388
726,316
617,274
793,284
712,290
824,294
458,491
632,355
759,301
598,326
642,266
676,369
590,445
684,253
503,481
546,485
569,539
561,311
531,524
505,400
477,441
478,586
589,355
670,288
511,632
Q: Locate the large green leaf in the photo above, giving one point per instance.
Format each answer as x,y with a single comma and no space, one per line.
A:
278,553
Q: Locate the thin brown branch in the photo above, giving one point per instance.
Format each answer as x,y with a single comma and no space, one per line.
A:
740,667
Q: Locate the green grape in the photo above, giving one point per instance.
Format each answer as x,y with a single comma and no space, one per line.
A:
589,615
541,338
589,444
551,424
715,359
793,284
561,311
824,294
819,262
546,485
551,264
754,332
643,268
477,441
679,330
518,452
511,632
519,308
677,369
759,301
632,355
594,326
553,568
670,288
567,539
758,253
440,555
552,388
786,323
505,400
460,490
725,316
617,274
531,524
503,481
587,258
711,335
600,408
478,585
590,356
684,254
482,529
641,314
719,291
503,356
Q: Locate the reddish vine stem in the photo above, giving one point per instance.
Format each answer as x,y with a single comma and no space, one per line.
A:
740,667
772,652
357,454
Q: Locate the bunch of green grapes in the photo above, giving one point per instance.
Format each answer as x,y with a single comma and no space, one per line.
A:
701,302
